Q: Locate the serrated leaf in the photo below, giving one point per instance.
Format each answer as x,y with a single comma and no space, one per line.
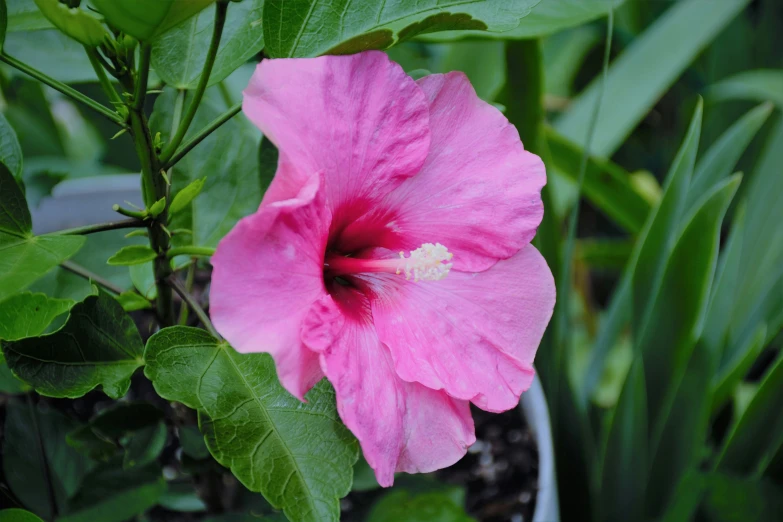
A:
186,195
24,257
132,255
113,494
304,28
549,16
299,456
22,458
28,315
99,345
679,34
423,507
178,55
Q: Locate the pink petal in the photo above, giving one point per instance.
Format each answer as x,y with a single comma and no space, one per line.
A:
359,119
478,192
401,426
267,272
473,335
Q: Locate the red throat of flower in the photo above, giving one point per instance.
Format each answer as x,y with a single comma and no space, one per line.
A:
429,262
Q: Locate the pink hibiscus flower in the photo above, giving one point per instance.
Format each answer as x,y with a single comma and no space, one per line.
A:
390,254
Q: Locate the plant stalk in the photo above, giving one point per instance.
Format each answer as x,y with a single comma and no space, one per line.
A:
191,251
187,119
203,134
65,89
191,301
101,227
83,272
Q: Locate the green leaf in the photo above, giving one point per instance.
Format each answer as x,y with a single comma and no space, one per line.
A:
143,278
424,507
604,254
759,85
680,34
563,56
158,207
24,257
10,150
625,461
79,24
657,239
549,16
726,381
718,162
145,445
146,19
178,56
133,255
227,158
303,28
607,185
267,160
183,497
758,434
192,442
23,466
299,456
18,515
186,195
24,15
27,314
131,301
99,345
678,307
683,432
113,494
734,499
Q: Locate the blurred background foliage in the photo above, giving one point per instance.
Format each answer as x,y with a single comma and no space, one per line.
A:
662,366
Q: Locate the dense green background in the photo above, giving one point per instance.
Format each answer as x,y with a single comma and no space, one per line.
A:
660,125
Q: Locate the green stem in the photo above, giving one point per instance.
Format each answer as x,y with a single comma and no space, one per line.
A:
191,251
220,20
140,216
65,89
202,134
154,187
183,312
83,272
191,301
101,227
139,95
106,84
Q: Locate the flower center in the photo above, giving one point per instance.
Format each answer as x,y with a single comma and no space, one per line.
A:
426,263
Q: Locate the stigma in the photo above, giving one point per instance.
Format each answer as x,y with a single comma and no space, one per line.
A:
429,262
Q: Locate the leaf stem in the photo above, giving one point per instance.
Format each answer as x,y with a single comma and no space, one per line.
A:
202,134
100,227
65,89
106,84
139,216
183,312
220,21
83,272
191,301
191,251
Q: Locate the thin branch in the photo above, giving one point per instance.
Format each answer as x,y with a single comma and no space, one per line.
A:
191,301
203,133
101,227
106,84
65,89
190,251
220,20
183,312
83,272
